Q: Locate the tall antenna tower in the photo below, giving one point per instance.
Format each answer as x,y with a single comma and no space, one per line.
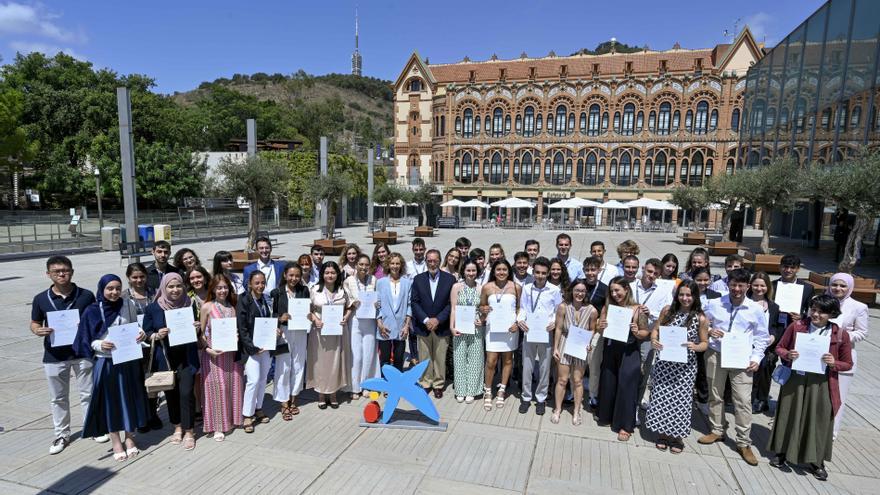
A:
356,60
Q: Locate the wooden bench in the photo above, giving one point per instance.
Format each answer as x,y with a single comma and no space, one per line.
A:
693,238
388,237
865,289
331,246
767,263
241,259
424,231
722,248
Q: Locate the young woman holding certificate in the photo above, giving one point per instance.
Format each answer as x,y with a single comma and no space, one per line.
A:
327,363
501,296
761,293
808,400
221,373
360,289
135,300
182,358
467,340
395,312
290,304
119,401
575,311
621,359
252,305
672,381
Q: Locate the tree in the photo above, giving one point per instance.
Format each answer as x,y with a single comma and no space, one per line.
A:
15,147
772,187
853,185
387,194
727,191
423,196
259,180
690,198
330,188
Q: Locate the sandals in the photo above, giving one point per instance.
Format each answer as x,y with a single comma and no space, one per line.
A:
676,446
623,436
286,413
248,426
219,436
120,456
499,399
260,417
177,437
293,409
662,443
334,403
355,396
576,419
189,442
554,418
487,399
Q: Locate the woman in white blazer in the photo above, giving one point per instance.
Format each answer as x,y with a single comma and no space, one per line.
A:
394,316
854,319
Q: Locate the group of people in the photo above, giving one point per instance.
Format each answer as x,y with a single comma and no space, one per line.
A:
483,322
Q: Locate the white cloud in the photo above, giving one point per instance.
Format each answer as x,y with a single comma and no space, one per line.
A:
49,49
760,24
20,19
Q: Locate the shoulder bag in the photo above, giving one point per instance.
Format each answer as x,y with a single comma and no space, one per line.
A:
158,381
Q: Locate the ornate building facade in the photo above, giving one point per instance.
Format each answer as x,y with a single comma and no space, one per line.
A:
613,126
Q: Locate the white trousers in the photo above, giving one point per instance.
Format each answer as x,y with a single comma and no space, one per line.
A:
364,353
58,376
290,367
843,382
256,369
544,354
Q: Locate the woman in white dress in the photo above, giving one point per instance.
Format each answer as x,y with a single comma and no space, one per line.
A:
502,292
364,358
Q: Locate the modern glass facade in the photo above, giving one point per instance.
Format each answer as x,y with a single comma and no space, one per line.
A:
814,96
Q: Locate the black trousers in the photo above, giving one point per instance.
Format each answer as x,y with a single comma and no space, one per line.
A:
762,379
413,347
181,400
391,350
702,384
619,384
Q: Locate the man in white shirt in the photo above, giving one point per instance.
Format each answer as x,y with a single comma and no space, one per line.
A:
538,302
607,271
533,249
272,269
416,265
731,262
521,274
630,269
651,302
479,257
563,248
625,249
730,314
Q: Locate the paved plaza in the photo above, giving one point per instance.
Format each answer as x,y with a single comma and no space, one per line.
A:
499,452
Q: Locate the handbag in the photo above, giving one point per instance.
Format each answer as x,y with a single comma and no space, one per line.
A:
158,381
781,374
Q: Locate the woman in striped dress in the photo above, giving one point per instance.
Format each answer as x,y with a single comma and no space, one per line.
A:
467,349
221,373
574,312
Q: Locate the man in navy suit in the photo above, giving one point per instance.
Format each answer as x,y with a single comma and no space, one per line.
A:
430,310
273,270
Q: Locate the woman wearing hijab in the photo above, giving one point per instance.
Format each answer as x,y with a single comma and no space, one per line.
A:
182,359
119,401
854,319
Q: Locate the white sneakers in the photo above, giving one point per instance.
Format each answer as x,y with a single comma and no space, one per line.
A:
58,445
102,439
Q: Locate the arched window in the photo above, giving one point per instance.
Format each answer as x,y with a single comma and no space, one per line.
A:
636,170
663,119
842,116
497,119
612,172
629,112
649,169
590,177
529,122
506,125
696,178
670,176
709,164
616,122
579,173
567,177
729,170
466,173
783,119
495,172
527,175
505,171
571,123
604,122
683,171
734,120
689,121
713,120
547,170
519,124
516,171
442,125
800,115
593,129
771,118
856,117
676,120
652,121
458,125
559,125
469,123
702,120
601,171
583,123
625,170
539,124
477,125
415,85
550,123
557,175
659,170
456,170
640,121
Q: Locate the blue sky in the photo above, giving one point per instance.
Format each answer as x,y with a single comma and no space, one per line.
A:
185,42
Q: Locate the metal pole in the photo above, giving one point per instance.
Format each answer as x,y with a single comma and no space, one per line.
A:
370,185
98,191
251,152
126,147
323,165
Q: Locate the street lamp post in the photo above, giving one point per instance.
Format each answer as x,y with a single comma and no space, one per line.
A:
98,192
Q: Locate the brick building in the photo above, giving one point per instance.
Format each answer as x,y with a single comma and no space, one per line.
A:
612,126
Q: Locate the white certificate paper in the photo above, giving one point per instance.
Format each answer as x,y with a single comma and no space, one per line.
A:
577,342
331,316
673,340
126,347
265,336
64,325
810,348
224,334
299,309
788,297
736,350
464,319
619,319
180,326
665,286
502,316
367,308
537,323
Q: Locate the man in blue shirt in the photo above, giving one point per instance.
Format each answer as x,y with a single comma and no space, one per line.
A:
272,269
563,248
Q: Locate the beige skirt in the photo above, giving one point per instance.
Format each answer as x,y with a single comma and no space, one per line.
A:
565,359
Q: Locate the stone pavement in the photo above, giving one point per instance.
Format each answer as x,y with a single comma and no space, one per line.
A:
500,452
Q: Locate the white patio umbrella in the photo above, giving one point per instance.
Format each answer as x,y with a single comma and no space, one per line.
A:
563,205
515,203
457,203
650,204
613,205
475,203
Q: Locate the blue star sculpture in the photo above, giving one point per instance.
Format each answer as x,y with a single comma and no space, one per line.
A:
403,386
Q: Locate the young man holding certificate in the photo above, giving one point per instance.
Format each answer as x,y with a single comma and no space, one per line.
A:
792,295
738,336
651,301
538,301
59,358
